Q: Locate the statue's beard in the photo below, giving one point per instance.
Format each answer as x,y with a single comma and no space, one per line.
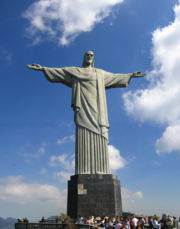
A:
89,63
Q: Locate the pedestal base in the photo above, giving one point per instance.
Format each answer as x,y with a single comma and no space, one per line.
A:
94,194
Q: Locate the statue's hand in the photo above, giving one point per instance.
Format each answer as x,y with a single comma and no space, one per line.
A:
138,74
35,66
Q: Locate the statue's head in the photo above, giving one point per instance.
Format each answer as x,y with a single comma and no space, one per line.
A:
88,59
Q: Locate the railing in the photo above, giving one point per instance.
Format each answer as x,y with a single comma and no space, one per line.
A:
51,226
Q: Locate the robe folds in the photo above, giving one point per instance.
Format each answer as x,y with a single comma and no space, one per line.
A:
90,112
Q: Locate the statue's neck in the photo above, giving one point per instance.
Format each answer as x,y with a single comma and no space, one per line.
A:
87,66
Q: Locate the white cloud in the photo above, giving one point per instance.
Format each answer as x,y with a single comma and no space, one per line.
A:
20,198
66,139
160,101
58,159
66,19
170,140
138,194
115,159
15,189
41,150
130,198
29,152
65,164
5,56
64,160
63,175
131,195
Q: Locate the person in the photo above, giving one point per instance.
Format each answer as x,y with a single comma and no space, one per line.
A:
42,220
156,223
90,110
134,221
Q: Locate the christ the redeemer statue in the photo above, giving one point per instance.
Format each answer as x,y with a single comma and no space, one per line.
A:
90,110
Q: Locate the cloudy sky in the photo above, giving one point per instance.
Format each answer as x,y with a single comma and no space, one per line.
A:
36,120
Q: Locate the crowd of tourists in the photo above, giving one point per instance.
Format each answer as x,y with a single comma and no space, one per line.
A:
128,221
131,222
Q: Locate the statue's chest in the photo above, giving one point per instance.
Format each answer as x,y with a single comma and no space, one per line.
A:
90,80
90,74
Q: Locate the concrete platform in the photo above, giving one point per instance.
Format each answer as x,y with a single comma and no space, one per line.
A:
94,194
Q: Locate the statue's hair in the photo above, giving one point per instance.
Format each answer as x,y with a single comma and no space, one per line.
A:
84,58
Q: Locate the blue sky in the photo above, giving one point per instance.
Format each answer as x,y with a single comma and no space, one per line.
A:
36,120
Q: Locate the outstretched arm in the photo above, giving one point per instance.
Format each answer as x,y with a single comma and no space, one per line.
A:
53,74
138,74
36,67
120,80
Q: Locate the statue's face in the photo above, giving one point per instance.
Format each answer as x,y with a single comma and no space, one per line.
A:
89,58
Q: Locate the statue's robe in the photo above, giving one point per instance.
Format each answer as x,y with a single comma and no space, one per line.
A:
90,112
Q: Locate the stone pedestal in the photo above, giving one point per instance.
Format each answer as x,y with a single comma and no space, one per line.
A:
94,194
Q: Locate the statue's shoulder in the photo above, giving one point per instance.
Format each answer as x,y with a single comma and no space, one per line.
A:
100,71
70,69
